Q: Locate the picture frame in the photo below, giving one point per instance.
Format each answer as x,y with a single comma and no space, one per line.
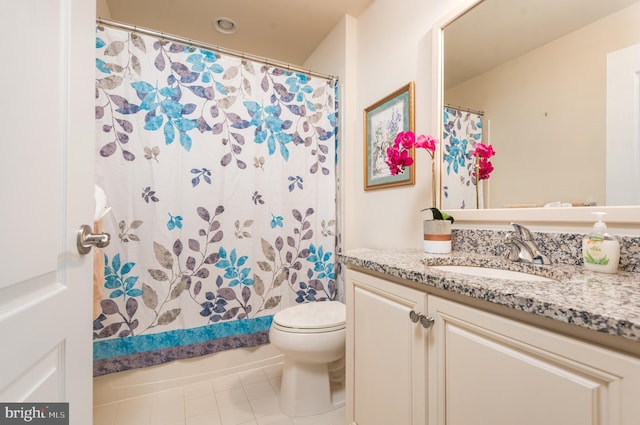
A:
382,122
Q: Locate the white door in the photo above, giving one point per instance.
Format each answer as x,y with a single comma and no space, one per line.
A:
623,126
46,193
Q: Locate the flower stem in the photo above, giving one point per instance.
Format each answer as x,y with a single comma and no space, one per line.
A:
477,182
433,182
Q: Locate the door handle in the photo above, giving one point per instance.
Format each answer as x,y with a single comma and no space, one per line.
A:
86,239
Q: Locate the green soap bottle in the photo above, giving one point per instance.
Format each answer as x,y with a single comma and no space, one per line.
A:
600,250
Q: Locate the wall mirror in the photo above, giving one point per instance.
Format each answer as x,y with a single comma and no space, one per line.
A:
537,72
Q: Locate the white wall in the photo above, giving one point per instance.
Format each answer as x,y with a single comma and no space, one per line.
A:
387,46
334,57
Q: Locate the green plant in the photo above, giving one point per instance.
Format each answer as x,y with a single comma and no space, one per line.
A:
439,215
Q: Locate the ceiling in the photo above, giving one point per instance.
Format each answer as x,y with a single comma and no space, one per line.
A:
282,30
475,42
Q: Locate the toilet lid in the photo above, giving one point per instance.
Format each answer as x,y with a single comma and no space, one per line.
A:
321,315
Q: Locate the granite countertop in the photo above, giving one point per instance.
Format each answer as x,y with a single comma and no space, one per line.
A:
607,303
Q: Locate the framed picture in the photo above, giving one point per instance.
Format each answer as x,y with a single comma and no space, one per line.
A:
382,122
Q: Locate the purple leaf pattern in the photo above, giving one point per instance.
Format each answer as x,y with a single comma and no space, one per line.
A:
220,173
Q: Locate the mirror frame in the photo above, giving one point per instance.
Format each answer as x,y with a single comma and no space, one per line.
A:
622,215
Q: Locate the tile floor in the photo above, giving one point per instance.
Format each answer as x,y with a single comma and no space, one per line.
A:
246,398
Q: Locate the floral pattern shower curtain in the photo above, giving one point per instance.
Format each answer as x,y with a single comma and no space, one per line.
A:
220,173
462,130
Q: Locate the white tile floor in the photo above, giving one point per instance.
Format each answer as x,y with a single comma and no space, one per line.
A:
246,398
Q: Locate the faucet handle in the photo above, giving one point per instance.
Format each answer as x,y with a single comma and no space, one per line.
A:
522,232
522,246
512,251
541,259
519,250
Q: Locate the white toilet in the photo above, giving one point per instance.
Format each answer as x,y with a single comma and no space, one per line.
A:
312,338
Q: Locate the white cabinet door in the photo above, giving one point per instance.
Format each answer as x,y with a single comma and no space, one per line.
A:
386,352
486,370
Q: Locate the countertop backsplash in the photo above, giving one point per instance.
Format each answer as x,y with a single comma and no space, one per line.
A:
561,248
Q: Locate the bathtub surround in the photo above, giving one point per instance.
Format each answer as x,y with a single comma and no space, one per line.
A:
220,172
136,383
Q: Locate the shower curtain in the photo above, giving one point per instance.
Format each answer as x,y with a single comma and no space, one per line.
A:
220,172
462,130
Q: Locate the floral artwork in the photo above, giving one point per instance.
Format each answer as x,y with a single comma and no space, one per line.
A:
462,131
385,125
383,121
220,172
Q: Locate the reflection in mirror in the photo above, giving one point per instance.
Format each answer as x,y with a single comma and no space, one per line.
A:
537,70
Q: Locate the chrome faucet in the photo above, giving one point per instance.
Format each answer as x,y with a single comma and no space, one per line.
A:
522,247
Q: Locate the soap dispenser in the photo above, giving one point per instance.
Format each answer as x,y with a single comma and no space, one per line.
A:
600,250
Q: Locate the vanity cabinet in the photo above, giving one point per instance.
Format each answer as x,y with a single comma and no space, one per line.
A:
385,352
473,366
485,369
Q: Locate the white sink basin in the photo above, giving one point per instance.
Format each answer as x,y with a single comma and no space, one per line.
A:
492,273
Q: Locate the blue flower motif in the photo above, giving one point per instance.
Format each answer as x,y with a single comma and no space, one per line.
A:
456,154
277,221
322,266
102,66
166,112
174,221
232,265
115,280
204,62
270,127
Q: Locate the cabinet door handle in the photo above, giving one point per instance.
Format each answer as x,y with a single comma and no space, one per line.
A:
425,321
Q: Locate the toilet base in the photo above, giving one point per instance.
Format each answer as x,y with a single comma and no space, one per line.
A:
306,390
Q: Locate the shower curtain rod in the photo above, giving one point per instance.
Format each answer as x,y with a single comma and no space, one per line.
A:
460,108
217,49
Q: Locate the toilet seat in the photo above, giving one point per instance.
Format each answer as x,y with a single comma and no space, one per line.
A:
314,317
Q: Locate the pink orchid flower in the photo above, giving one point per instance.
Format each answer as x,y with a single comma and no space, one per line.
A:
398,155
397,160
405,138
428,143
483,152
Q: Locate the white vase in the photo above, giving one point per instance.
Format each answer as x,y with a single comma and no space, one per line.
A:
437,236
